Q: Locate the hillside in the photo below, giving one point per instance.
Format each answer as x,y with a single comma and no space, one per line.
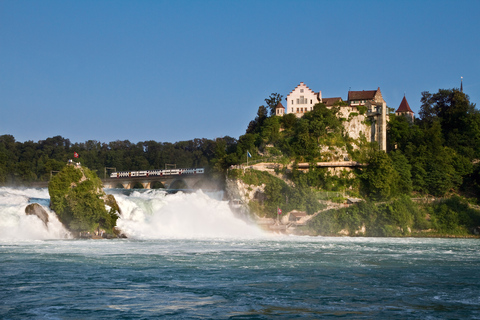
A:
434,157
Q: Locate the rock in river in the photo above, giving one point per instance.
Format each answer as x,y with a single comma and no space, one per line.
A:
37,210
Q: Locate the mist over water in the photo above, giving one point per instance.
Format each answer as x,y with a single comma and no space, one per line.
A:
153,214
145,214
16,225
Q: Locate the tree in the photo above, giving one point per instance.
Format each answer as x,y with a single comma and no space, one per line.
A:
255,125
379,179
403,168
459,120
273,101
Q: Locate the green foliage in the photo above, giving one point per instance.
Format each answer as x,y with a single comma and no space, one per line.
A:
278,194
34,161
403,168
75,196
362,109
454,216
396,218
440,146
379,179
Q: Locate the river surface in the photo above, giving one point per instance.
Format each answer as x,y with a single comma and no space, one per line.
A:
188,257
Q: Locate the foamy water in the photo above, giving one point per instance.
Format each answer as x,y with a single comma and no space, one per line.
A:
146,214
16,225
154,215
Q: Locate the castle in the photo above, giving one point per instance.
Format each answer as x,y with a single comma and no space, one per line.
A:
302,99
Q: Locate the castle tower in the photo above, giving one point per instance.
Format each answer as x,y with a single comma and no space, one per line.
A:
377,113
279,110
404,109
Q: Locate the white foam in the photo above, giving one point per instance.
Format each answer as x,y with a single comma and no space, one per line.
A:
16,225
194,215
147,214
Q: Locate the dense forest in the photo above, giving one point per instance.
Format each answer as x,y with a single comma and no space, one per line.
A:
436,155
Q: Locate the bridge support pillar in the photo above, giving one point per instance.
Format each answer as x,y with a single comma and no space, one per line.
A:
146,185
127,185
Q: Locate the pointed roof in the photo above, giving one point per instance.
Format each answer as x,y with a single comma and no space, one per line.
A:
404,107
279,105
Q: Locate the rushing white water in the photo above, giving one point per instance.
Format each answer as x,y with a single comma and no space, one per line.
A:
146,214
16,225
153,214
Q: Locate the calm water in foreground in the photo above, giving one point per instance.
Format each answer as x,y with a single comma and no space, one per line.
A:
225,271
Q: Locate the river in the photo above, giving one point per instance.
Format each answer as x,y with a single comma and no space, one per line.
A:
188,257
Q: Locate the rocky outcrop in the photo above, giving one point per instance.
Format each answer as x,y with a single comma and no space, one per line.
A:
35,209
78,199
237,189
110,201
355,126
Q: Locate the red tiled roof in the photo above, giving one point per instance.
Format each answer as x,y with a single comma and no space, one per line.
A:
404,107
361,95
279,105
331,101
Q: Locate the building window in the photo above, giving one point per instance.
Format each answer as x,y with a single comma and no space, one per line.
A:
297,110
301,90
310,101
298,101
292,101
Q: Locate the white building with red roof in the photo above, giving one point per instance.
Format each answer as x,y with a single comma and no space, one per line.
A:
302,99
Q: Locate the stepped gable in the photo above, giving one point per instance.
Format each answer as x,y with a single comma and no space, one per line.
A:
404,106
306,87
331,101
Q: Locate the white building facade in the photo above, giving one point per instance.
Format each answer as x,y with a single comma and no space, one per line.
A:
302,99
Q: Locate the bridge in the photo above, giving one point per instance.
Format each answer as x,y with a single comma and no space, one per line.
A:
169,182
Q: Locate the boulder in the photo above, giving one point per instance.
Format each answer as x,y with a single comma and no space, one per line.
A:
36,209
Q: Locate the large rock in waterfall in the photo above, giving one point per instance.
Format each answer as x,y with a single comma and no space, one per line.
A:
78,199
35,209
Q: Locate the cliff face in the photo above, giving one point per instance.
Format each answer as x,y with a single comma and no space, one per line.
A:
78,199
356,126
237,189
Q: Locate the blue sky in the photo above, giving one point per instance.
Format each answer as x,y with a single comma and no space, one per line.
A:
178,70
